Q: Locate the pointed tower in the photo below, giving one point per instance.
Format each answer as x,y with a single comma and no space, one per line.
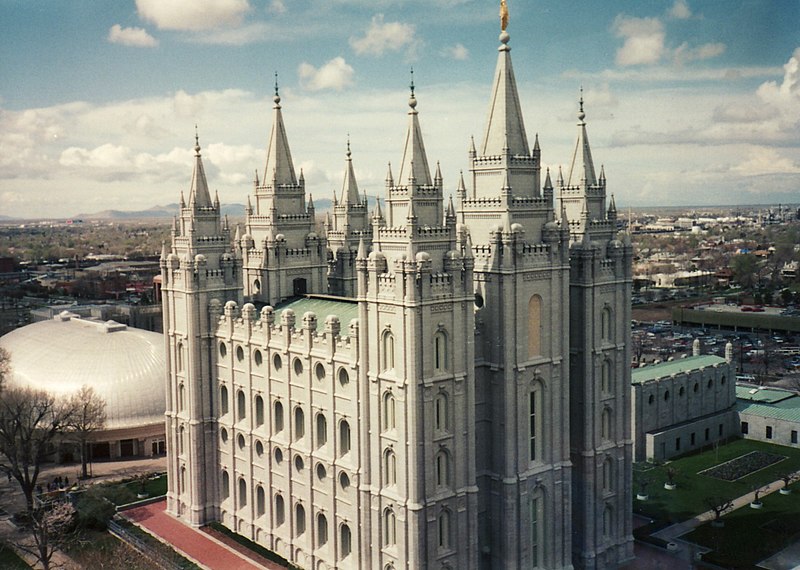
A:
287,257
521,260
199,273
349,226
415,292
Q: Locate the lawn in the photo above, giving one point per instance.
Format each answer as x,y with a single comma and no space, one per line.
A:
155,487
10,561
688,499
101,551
751,535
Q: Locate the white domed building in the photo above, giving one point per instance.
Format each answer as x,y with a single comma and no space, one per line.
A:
124,365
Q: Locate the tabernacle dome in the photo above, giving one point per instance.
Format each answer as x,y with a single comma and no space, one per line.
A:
125,366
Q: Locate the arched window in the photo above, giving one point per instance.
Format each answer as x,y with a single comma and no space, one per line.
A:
444,529
440,416
345,540
299,519
535,423
181,440
240,405
344,438
226,485
605,427
322,529
608,521
605,383
535,326
387,356
179,356
390,467
278,412
608,475
606,324
440,351
181,397
537,524
442,469
260,501
182,482
259,411
388,411
223,400
299,423
242,493
280,514
389,528
322,430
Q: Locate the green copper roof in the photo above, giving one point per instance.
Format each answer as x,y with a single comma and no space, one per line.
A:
790,411
762,395
655,371
345,309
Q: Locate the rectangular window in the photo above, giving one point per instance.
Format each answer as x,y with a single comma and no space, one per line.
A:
677,444
719,431
794,436
532,426
692,438
769,432
708,434
745,427
535,530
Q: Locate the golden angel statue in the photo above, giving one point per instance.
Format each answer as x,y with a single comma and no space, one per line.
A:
503,15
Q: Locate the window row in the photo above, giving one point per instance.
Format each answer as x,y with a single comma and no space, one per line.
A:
320,372
682,391
442,468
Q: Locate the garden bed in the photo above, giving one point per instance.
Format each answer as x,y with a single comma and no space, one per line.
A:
743,465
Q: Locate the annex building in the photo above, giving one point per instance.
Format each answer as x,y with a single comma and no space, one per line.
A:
435,383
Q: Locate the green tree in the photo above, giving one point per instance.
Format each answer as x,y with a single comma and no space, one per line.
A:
745,269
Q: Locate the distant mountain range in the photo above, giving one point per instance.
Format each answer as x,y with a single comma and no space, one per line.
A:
169,210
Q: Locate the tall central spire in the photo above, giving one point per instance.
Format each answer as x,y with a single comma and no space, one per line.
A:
279,168
198,192
350,187
505,129
581,171
415,161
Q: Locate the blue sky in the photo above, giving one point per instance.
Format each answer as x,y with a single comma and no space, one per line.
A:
687,102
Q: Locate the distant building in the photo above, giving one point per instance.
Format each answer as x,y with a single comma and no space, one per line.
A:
768,414
683,405
146,317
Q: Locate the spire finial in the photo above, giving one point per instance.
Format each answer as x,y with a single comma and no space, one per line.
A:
503,15
277,97
412,100
196,141
348,147
581,113
412,82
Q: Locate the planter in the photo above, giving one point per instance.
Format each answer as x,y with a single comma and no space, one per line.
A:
642,496
757,505
142,495
670,486
672,547
785,491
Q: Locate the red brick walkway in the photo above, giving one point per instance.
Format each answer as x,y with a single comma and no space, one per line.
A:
197,545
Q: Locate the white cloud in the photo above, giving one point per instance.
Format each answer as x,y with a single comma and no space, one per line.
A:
192,14
277,7
237,36
680,10
383,36
643,40
766,161
335,74
135,37
458,52
684,54
788,92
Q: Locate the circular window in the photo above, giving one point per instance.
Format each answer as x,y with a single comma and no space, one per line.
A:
223,350
681,391
259,448
239,353
298,463
478,300
240,441
651,399
666,395
321,471
319,371
277,362
258,357
223,434
344,377
298,366
344,480
278,456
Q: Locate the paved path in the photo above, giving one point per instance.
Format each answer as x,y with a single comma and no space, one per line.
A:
198,546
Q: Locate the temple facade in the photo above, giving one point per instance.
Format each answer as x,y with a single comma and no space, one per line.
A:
437,383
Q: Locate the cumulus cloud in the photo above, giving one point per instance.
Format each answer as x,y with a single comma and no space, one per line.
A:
643,40
135,37
383,36
788,92
766,161
458,52
192,14
335,74
680,10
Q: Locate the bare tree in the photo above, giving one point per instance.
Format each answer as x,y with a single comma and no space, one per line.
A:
30,421
719,504
52,528
89,416
5,367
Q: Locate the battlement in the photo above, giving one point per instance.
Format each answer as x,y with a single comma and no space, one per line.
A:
593,190
402,191
479,203
497,160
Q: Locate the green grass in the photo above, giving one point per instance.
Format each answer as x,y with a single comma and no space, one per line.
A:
688,499
9,560
153,487
254,546
751,535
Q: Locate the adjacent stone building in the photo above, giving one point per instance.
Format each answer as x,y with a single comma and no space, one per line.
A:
768,414
435,384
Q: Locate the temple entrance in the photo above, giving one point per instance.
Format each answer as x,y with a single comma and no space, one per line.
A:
299,287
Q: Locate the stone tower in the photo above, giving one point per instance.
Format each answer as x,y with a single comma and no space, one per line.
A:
282,254
600,316
521,366
199,274
350,224
415,293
